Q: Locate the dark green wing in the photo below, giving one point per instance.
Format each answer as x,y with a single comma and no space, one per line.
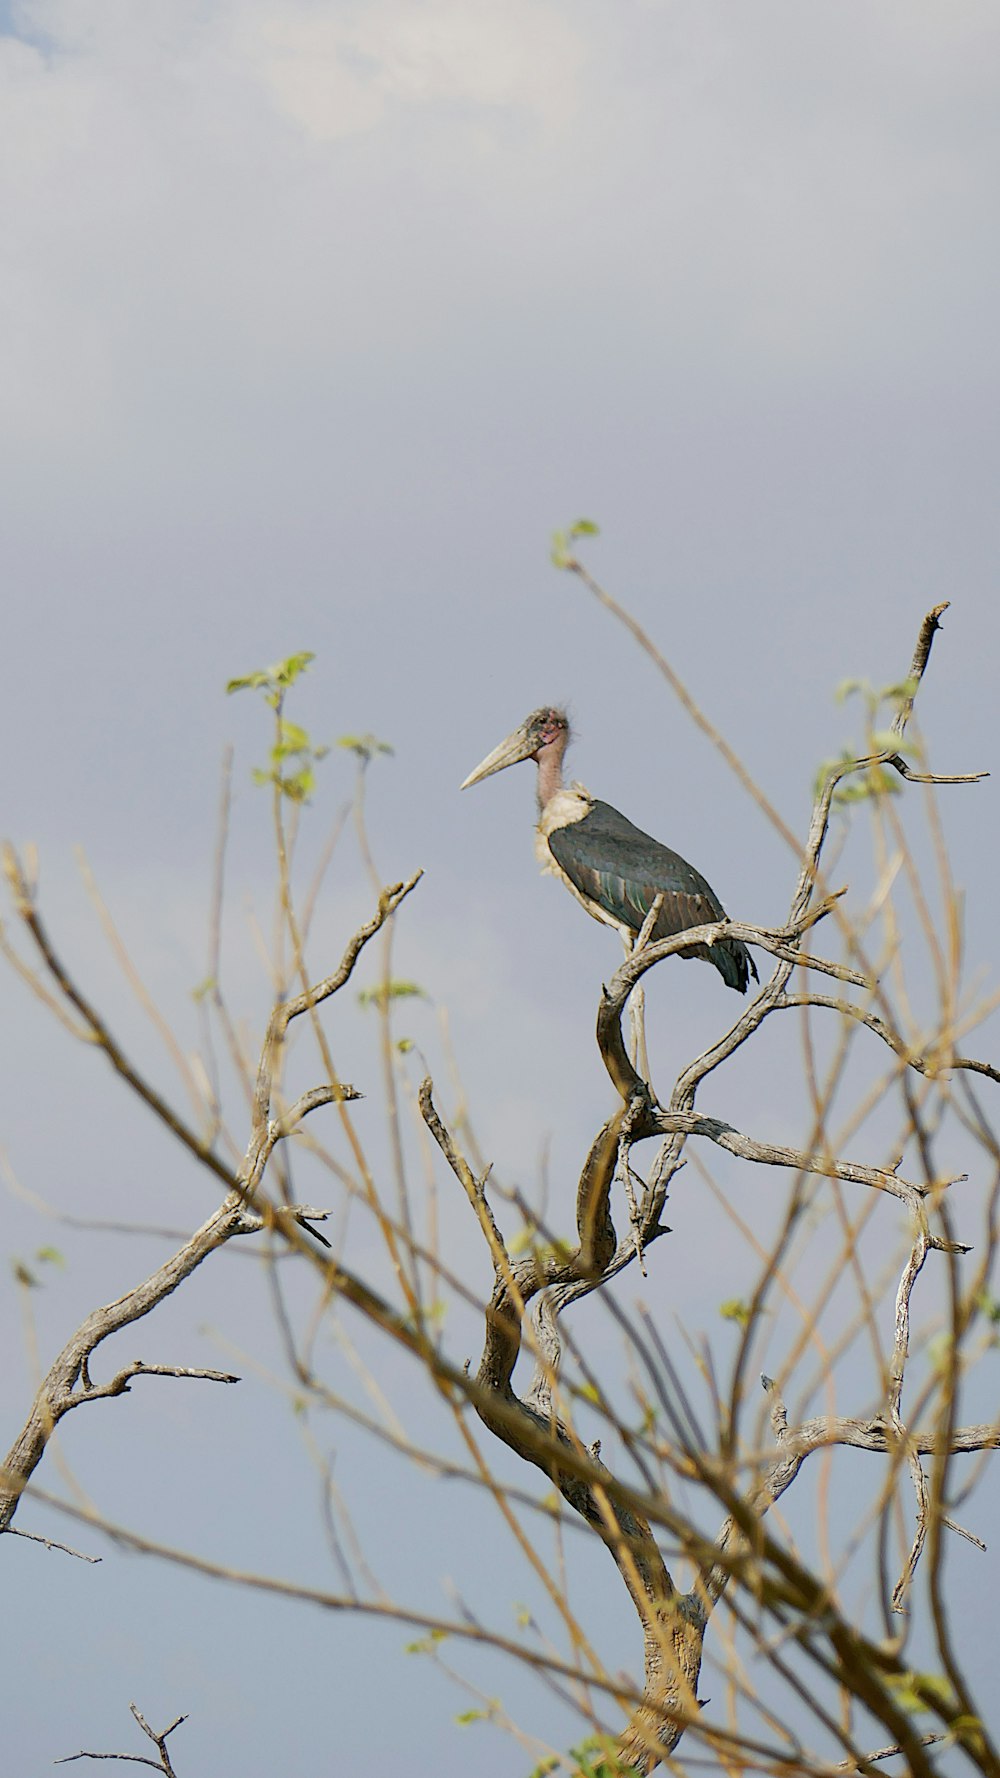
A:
622,869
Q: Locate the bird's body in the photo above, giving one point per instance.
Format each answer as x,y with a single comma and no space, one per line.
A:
611,867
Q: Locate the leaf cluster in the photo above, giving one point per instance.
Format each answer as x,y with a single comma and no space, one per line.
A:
273,681
563,541
882,704
594,1758
385,992
294,755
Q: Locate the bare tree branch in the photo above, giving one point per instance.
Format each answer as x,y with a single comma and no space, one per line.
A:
51,1544
136,1759
68,1384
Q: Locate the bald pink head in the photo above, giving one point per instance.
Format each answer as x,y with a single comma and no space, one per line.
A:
543,736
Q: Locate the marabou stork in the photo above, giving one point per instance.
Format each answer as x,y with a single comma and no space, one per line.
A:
613,869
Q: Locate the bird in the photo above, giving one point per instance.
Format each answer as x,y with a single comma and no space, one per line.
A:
613,869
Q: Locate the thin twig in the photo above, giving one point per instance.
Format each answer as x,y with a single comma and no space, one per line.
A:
51,1544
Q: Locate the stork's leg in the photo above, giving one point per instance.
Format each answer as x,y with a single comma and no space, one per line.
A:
637,1025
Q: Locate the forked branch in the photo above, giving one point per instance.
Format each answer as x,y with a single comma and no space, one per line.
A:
245,1209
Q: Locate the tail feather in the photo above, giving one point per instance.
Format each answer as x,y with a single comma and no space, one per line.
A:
734,963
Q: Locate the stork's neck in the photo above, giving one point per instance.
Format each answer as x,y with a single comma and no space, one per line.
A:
550,777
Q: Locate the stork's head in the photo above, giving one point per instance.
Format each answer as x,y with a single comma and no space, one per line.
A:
543,736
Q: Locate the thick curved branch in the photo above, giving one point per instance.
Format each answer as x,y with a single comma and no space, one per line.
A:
774,1154
534,1431
782,943
920,1063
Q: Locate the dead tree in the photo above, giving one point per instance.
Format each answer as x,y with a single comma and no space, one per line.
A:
630,1521
746,1566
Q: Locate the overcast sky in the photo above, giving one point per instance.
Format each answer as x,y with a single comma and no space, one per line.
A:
317,319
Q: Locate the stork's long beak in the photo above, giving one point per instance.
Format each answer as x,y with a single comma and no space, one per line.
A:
522,744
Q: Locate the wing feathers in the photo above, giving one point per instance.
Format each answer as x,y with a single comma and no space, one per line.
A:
623,869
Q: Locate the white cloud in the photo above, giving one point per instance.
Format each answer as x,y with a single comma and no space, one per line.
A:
334,71
778,193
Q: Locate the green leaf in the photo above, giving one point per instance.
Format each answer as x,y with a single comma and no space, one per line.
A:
735,1309
386,991
969,1730
365,746
291,739
898,694
872,781
272,679
882,740
871,785
50,1256
826,766
287,671
917,1692
848,687
426,1643
300,786
250,682
561,545
293,742
598,1757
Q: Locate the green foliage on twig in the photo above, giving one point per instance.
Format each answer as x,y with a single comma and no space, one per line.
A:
735,1309
917,1692
381,995
366,747
294,756
988,1305
493,1710
44,1256
563,541
597,1757
882,704
273,681
426,1644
